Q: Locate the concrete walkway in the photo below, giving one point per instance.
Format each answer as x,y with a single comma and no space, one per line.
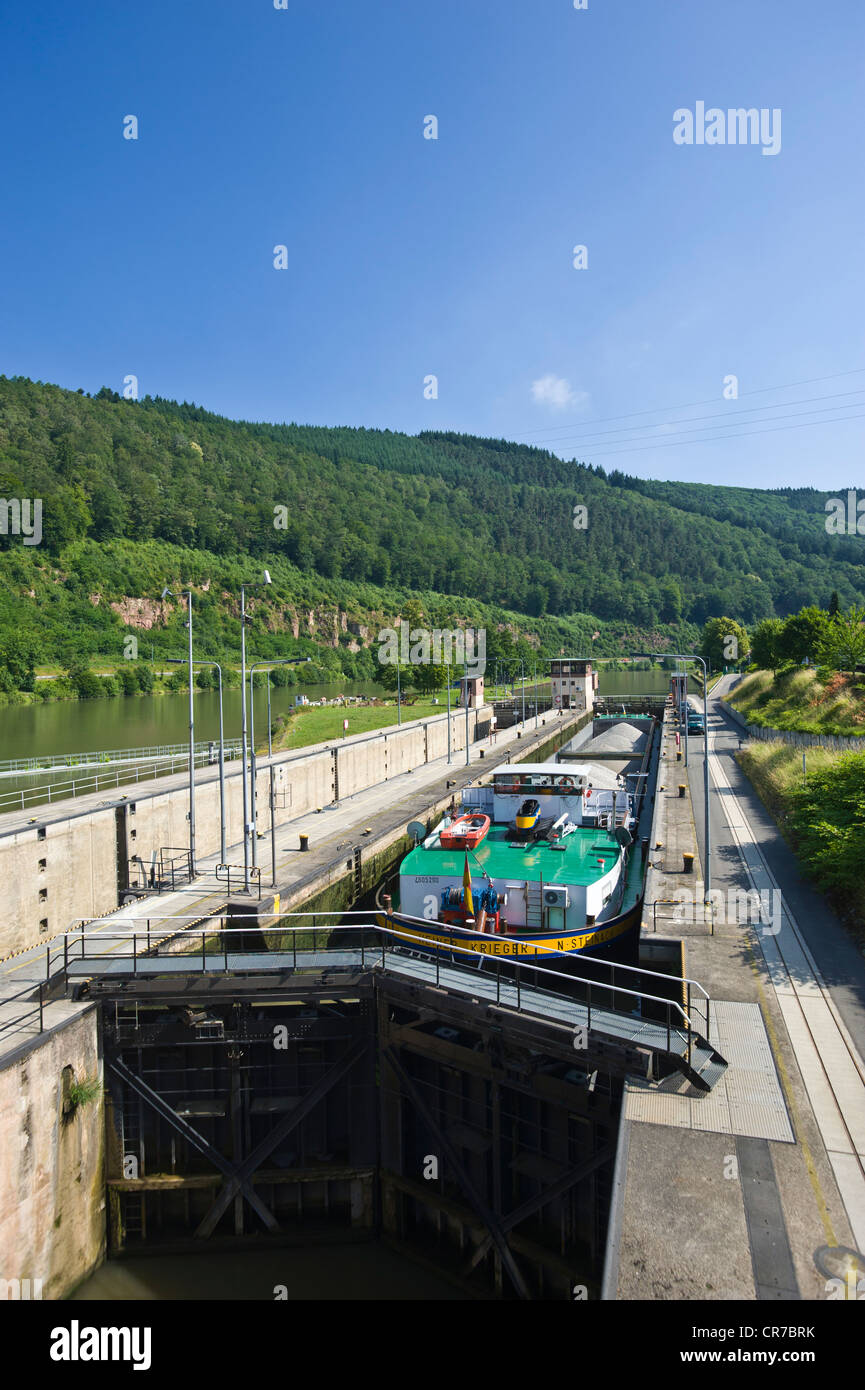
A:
729,1195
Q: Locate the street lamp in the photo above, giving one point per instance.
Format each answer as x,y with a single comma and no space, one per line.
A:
257,666
178,661
691,656
466,697
253,584
188,592
448,665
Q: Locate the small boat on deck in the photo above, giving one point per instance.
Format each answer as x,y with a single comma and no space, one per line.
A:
466,832
528,815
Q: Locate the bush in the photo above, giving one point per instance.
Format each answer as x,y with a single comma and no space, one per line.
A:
144,676
84,682
128,679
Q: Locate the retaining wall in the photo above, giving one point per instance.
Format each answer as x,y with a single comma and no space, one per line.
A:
834,742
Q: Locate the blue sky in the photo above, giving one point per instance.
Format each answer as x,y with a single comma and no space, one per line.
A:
409,257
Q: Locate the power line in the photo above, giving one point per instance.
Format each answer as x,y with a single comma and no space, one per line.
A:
711,429
694,419
691,405
678,444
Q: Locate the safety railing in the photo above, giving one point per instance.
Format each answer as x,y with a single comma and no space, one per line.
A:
518,983
31,1016
119,776
224,874
44,762
679,905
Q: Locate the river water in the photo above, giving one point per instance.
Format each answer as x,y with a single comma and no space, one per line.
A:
324,1273
80,726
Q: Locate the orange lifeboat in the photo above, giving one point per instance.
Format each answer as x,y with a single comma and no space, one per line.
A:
466,832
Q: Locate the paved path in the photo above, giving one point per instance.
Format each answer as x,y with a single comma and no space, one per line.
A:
824,1013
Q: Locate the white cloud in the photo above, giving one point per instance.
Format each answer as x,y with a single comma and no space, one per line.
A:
558,393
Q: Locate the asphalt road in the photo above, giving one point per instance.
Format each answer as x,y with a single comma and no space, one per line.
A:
836,953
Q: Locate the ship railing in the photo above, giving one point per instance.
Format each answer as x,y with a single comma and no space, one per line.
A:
315,933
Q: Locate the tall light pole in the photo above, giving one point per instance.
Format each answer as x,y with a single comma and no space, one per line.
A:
523,681
253,584
257,666
466,689
188,592
177,661
692,656
449,707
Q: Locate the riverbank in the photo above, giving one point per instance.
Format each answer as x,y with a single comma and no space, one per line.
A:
821,815
799,701
320,724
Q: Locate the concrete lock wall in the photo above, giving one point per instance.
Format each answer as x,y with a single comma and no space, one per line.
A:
86,854
52,1166
51,875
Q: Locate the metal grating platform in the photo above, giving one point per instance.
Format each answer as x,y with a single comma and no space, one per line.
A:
746,1100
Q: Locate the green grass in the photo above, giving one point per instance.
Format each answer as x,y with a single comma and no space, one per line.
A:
799,701
322,724
822,816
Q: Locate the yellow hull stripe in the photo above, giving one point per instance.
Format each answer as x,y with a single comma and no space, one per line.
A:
505,946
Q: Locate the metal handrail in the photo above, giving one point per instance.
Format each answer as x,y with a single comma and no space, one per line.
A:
400,940
120,774
44,762
38,1007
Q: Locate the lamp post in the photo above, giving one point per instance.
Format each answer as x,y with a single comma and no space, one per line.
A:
178,661
523,683
448,665
253,584
398,695
188,592
466,698
692,656
258,666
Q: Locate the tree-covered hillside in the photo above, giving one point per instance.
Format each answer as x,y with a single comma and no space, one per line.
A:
373,514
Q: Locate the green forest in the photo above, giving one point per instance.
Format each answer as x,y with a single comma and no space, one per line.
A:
352,523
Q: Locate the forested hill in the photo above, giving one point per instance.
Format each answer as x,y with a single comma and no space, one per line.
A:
480,518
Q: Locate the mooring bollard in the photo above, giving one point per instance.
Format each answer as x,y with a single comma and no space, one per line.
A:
688,863
682,789
304,842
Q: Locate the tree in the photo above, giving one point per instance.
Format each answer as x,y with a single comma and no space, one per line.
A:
430,678
764,644
85,682
801,634
724,642
17,661
834,604
842,646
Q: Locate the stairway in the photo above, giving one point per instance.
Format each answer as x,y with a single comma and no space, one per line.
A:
705,1067
534,906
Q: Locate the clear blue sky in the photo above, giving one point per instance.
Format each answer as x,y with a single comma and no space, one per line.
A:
409,256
